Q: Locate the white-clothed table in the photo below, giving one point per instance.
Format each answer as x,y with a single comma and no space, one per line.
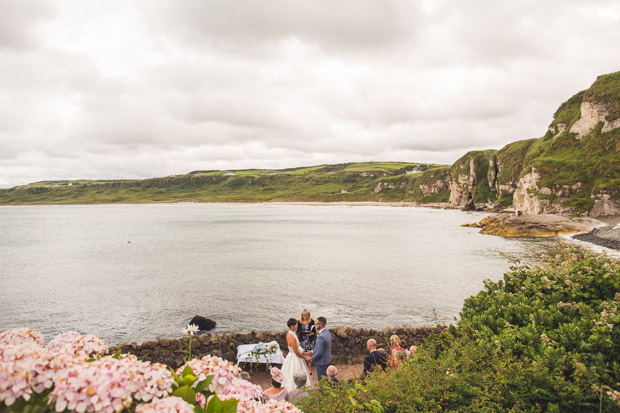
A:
244,350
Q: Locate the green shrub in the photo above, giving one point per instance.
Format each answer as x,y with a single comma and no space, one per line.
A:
542,339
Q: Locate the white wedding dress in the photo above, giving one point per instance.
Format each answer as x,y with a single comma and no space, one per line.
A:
293,364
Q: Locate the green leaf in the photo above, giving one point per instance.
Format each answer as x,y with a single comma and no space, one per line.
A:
204,384
176,378
187,371
218,406
186,393
189,379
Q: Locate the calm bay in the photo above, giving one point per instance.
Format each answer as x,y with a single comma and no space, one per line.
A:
141,272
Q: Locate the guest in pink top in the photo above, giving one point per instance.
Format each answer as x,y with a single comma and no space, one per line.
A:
277,391
395,344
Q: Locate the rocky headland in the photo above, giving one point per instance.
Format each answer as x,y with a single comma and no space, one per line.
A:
603,232
536,226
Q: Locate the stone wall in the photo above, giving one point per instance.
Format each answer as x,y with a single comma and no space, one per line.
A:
348,344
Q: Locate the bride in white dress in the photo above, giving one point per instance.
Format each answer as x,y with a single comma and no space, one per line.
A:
295,360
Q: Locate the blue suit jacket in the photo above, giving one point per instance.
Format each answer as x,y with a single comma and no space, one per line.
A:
322,353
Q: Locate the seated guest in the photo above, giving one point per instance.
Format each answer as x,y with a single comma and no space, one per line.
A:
332,373
374,359
244,375
301,380
399,356
277,391
413,350
395,345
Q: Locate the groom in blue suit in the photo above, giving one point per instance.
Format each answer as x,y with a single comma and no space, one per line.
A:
322,353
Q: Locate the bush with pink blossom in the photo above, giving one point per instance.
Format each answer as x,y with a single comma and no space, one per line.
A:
21,336
63,377
171,404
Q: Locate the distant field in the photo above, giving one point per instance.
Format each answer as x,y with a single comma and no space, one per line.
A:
322,183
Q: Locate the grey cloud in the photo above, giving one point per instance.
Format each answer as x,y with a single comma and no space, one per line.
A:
358,24
225,84
19,21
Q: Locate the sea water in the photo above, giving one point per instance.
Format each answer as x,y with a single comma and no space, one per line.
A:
141,272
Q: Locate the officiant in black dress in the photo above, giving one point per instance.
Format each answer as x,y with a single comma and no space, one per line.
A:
306,332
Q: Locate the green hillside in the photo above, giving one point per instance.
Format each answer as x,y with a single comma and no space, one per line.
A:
573,168
326,183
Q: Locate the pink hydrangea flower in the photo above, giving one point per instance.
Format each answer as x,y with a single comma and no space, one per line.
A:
168,405
18,367
281,406
255,406
62,340
243,389
21,336
109,384
75,342
224,372
201,400
245,405
52,362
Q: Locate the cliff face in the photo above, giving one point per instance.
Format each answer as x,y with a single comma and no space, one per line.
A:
574,168
473,179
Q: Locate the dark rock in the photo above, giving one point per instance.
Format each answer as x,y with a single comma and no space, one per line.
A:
470,205
261,336
150,344
204,324
599,236
340,332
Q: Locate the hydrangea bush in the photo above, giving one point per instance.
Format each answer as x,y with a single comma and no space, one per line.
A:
73,374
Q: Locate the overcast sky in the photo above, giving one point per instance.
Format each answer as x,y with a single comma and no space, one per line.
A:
136,89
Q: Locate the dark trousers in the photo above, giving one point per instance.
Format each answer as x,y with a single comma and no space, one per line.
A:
321,370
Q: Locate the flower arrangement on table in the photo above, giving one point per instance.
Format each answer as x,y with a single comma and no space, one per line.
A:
73,374
264,349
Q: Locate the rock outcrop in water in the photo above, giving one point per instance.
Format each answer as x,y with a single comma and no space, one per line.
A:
203,323
537,226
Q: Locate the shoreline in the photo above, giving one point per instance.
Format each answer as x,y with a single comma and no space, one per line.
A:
606,237
360,203
603,233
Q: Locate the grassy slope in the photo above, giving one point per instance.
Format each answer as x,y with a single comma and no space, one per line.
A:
317,183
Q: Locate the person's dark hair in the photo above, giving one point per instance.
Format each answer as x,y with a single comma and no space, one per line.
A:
322,320
275,384
291,322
